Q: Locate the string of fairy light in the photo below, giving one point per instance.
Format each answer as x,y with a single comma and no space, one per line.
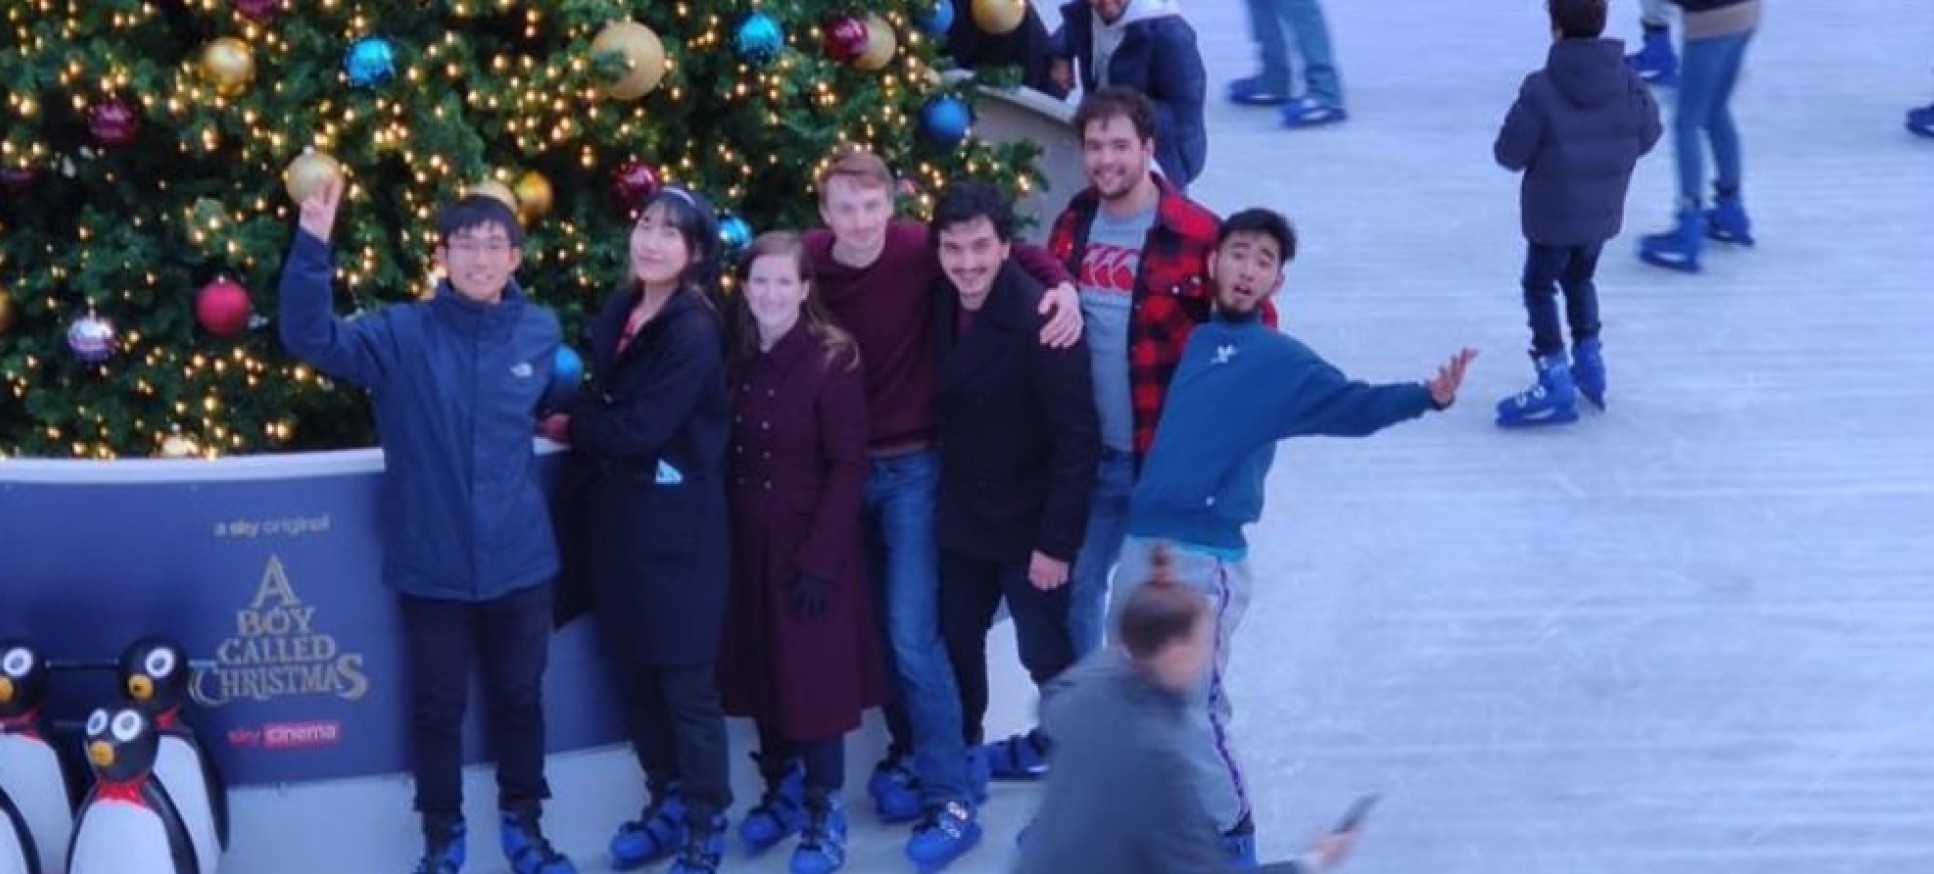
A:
542,107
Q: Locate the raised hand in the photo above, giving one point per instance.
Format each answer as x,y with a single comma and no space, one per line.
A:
1443,388
319,208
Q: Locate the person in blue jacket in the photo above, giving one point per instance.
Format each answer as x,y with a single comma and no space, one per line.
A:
457,382
1241,387
1146,45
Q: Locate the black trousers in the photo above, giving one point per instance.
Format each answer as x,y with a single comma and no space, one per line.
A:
971,591
510,639
678,733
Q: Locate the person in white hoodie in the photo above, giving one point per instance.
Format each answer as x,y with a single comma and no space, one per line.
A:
1146,45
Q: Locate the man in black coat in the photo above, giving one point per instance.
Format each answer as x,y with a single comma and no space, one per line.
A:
1019,445
1577,129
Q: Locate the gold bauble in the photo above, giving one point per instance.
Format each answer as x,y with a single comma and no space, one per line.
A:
493,188
533,196
641,48
880,44
308,173
229,65
997,17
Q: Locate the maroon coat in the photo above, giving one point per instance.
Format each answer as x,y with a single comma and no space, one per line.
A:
796,474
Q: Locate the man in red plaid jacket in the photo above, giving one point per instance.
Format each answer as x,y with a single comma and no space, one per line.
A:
1138,249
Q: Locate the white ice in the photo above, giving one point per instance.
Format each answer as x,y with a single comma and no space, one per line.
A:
1694,635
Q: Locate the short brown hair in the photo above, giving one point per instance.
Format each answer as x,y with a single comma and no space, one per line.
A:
1160,612
1116,101
858,164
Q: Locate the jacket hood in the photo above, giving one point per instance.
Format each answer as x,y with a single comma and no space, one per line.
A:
1588,72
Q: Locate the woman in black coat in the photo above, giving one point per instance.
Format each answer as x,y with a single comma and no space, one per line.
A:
644,517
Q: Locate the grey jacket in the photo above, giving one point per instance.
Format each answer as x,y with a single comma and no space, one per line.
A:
1121,797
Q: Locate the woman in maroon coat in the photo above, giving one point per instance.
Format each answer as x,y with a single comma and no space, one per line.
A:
800,654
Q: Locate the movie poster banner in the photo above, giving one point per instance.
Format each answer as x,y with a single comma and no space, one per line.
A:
268,570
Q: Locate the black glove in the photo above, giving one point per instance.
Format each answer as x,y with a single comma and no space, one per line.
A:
809,596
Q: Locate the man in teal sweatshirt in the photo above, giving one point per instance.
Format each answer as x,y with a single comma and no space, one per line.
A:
1242,386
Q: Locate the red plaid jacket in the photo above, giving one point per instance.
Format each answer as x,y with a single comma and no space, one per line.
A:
1172,291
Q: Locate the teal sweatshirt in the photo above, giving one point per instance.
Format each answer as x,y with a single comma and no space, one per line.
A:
1241,387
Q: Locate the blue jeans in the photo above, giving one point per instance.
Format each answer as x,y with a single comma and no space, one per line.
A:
1708,70
1304,18
1100,549
905,564
1548,269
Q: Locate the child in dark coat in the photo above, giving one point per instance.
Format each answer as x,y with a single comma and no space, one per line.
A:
1577,129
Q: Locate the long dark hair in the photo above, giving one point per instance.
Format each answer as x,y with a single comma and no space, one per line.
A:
813,314
691,215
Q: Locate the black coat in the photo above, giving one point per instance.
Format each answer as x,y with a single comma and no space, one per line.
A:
642,501
1577,129
1019,435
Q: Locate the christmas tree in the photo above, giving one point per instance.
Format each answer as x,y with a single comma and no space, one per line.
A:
152,149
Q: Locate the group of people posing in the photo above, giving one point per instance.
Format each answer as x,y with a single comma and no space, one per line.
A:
809,497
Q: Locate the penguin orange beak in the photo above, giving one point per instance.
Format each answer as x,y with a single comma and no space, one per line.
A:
101,753
140,688
6,690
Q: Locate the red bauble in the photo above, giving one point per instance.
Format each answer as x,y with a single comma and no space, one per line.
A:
259,11
17,180
114,122
634,182
222,308
846,37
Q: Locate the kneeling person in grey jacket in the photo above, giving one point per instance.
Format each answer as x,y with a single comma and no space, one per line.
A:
457,381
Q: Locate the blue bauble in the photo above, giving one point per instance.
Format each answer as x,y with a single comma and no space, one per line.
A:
940,18
567,369
371,62
945,121
735,233
759,39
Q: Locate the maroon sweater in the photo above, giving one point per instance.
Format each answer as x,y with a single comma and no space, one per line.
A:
888,308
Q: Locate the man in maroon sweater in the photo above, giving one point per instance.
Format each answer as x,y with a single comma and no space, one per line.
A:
876,273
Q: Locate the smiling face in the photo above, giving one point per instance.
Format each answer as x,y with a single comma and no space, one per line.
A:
659,252
1247,269
971,254
1115,156
479,261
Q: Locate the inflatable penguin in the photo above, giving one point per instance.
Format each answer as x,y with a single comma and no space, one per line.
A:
31,770
17,853
127,825
154,674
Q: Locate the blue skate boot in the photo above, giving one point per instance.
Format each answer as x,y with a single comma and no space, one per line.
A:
525,846
946,833
1239,845
1727,221
443,848
657,833
1920,121
1020,757
1552,400
780,813
1655,62
895,791
704,847
822,847
1588,370
1677,249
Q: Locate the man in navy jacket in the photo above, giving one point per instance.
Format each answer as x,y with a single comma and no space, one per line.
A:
1145,45
457,381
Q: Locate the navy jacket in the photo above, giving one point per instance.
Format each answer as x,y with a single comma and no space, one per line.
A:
1159,58
1578,127
1240,388
457,388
